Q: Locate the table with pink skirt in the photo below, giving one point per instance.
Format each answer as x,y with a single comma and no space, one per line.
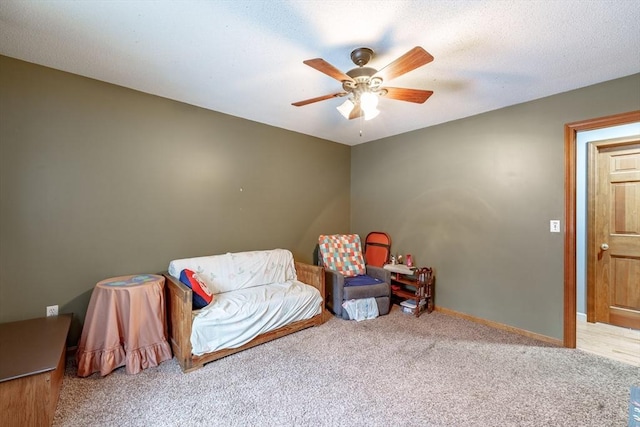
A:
125,325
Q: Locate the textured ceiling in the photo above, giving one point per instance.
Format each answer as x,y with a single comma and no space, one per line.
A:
244,57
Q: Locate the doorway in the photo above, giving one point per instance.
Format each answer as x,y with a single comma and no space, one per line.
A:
570,235
613,232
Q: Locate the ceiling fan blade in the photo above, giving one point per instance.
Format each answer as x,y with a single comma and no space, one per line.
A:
356,112
411,60
324,67
410,95
319,98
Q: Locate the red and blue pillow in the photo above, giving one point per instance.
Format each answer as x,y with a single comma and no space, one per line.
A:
202,296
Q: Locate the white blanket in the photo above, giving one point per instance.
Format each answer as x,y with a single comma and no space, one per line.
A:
361,309
254,292
235,318
240,270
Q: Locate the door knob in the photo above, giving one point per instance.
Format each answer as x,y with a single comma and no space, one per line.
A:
604,246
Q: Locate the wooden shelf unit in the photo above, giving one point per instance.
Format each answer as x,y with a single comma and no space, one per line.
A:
418,286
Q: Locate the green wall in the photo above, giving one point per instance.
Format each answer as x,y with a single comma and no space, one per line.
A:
97,181
473,199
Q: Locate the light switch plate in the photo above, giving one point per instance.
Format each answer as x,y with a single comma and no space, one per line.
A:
554,226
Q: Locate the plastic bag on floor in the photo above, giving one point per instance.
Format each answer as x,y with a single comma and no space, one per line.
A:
361,309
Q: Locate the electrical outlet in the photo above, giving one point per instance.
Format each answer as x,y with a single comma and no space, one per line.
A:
52,310
554,226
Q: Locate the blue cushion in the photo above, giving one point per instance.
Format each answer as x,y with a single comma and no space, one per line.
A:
361,280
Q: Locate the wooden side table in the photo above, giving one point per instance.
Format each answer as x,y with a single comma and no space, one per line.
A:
125,325
416,285
31,369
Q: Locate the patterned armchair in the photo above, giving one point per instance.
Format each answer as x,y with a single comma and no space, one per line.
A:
347,277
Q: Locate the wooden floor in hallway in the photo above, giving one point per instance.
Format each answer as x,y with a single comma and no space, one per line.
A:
622,344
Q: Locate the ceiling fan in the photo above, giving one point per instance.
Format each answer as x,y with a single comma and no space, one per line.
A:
364,85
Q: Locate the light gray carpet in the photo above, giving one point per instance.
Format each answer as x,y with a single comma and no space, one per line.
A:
395,370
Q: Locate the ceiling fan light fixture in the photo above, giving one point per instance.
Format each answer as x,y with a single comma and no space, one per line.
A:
368,101
371,114
345,108
363,85
369,104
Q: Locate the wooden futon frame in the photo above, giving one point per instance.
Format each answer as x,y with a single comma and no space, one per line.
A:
180,317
